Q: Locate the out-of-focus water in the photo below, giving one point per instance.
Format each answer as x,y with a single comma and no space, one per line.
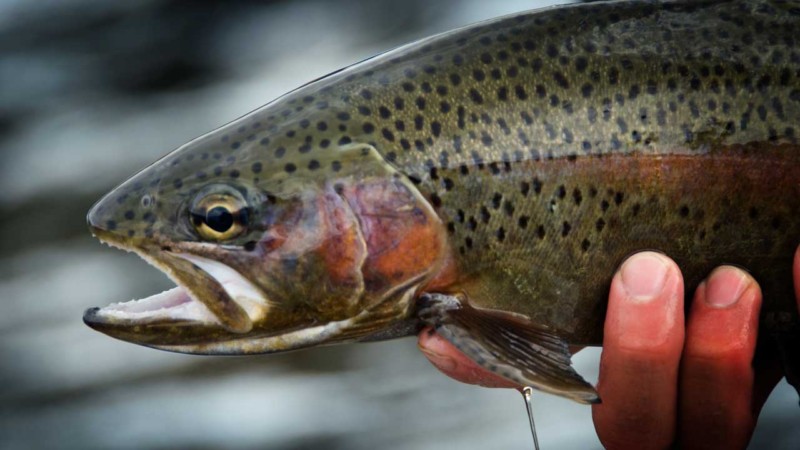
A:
91,91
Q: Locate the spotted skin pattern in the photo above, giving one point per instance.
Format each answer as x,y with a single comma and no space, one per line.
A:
551,145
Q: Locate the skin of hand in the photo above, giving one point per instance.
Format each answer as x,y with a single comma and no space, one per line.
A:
664,379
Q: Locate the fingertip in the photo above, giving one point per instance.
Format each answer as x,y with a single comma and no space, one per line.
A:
643,275
455,364
725,286
436,350
645,309
724,314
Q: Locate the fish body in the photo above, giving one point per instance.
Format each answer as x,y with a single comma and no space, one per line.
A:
488,181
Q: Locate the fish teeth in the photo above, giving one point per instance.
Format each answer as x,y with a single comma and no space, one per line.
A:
173,304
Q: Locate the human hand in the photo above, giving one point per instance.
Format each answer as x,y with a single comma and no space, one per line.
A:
663,381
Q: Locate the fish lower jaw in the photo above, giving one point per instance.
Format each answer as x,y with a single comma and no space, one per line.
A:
173,305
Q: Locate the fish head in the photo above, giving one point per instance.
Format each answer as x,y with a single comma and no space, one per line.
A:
272,249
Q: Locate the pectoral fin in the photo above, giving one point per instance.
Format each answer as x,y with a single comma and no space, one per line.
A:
507,345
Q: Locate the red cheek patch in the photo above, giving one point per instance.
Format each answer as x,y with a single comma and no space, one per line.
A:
404,238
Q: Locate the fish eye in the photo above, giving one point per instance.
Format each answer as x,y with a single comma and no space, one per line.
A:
219,217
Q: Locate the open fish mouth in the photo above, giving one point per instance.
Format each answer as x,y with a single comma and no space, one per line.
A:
209,301
171,305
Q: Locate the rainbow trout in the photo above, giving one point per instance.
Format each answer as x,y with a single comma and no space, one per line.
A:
486,181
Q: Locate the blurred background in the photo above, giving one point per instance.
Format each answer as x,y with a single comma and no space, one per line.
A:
93,90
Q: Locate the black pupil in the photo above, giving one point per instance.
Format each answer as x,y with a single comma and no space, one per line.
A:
219,219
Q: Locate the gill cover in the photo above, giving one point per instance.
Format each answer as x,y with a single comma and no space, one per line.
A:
348,266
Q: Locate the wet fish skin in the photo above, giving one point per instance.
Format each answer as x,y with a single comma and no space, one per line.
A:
515,162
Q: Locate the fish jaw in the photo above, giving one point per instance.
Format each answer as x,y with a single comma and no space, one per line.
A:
203,306
189,319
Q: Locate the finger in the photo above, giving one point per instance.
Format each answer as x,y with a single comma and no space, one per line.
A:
642,344
717,376
450,361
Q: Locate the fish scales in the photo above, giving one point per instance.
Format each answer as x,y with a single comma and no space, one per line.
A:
482,119
547,146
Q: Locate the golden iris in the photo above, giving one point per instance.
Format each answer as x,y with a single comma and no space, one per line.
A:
219,217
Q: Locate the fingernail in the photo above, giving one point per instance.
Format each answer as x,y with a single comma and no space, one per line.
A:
725,286
643,275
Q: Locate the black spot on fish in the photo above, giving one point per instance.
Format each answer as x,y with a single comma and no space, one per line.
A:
485,214
436,128
586,90
600,224
577,196
502,93
496,199
537,186
561,80
523,221
566,227
508,207
436,201
475,96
